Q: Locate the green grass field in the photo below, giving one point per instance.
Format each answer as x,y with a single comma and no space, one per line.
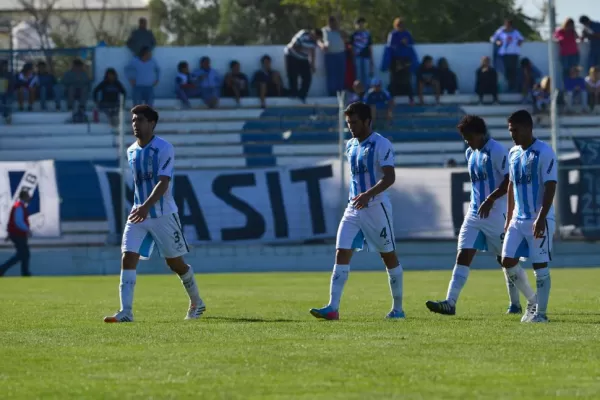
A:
257,340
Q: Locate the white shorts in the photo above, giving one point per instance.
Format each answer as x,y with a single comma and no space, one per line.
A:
520,242
483,234
368,229
164,231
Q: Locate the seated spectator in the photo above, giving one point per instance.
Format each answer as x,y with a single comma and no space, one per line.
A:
358,92
380,101
184,85
428,79
107,95
575,91
448,81
235,83
208,82
486,80
47,85
451,163
25,86
541,95
267,81
6,91
77,85
527,76
143,74
593,87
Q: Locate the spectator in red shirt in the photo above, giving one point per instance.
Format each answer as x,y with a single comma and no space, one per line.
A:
18,232
567,36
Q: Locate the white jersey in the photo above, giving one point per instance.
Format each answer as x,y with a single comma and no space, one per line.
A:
487,169
148,163
529,170
366,160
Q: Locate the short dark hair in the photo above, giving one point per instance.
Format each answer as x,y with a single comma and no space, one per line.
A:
143,51
148,112
521,117
264,58
204,58
181,65
360,20
584,19
318,33
234,63
360,109
472,124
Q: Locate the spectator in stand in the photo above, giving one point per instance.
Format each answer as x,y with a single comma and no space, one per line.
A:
567,36
334,47
381,102
184,84
18,232
593,88
300,61
509,41
7,83
143,74
358,92
428,79
77,85
528,75
208,82
107,95
267,81
141,38
25,86
400,42
235,83
541,95
576,91
486,80
591,32
451,163
47,85
362,43
448,81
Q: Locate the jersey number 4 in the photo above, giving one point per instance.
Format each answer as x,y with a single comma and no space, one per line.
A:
383,233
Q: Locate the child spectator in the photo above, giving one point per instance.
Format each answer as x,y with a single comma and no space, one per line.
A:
428,79
575,90
267,81
6,91
235,83
25,86
448,81
208,82
46,83
184,85
358,92
362,43
541,95
77,85
107,94
380,101
143,74
486,80
593,87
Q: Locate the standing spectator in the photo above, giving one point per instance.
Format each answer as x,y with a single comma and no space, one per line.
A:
300,61
358,92
143,74
591,32
107,95
486,80
593,87
141,38
402,60
448,81
575,90
77,85
6,91
184,84
567,36
18,232
235,83
334,47
381,102
428,79
208,82
528,75
26,82
267,81
509,41
362,43
47,85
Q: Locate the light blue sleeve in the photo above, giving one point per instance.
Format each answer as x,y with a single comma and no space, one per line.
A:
20,219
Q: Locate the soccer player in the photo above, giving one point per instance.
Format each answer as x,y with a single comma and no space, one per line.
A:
483,227
367,221
530,214
153,219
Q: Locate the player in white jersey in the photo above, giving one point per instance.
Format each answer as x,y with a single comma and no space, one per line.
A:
367,221
153,219
530,215
483,227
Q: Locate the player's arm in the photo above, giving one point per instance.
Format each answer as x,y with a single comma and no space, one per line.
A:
500,164
385,158
510,203
387,180
549,175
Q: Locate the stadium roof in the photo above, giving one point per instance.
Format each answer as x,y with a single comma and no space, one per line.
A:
18,5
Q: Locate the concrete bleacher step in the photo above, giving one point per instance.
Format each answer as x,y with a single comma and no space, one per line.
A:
82,233
74,142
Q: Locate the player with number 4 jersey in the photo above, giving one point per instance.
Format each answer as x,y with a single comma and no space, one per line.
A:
367,221
153,221
483,226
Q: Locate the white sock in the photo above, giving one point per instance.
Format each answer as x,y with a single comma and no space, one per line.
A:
519,277
338,280
513,291
395,276
542,280
189,283
128,278
460,274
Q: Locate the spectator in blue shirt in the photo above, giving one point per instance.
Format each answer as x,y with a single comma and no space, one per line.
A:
208,82
575,90
402,64
362,43
47,85
143,74
6,90
380,101
541,95
591,32
184,84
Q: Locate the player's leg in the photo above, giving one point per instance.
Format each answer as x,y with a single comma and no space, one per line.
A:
349,236
186,274
540,254
514,296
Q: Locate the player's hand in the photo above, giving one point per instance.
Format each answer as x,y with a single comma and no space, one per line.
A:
361,201
485,208
539,228
138,215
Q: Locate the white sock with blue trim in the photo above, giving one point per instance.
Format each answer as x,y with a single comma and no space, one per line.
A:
126,287
339,277
542,280
189,283
518,276
395,276
460,274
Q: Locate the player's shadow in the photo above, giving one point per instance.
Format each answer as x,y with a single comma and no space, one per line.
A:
249,320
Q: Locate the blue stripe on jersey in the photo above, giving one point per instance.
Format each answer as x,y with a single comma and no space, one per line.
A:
515,173
523,171
155,175
353,189
149,182
480,172
360,170
535,184
490,172
138,182
473,174
371,164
